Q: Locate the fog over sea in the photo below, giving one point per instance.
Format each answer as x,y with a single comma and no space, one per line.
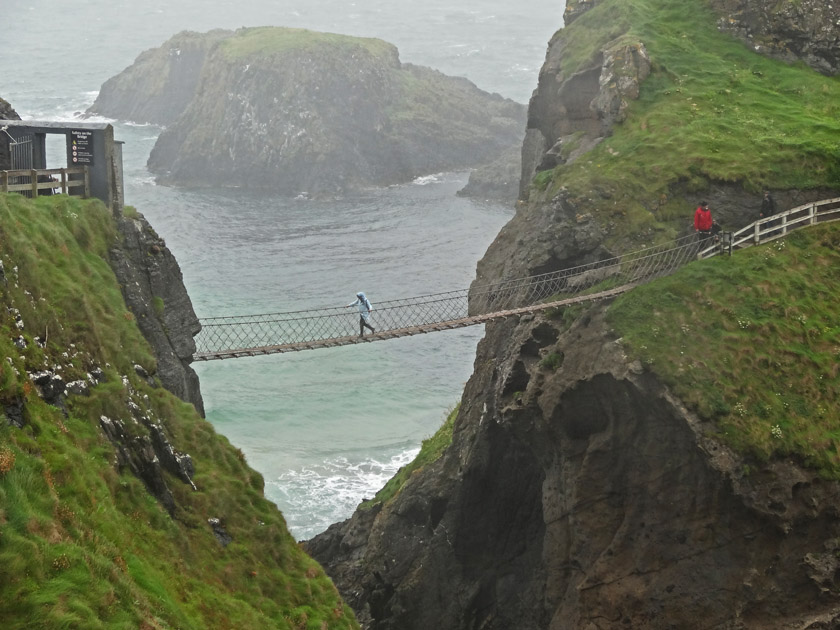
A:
326,428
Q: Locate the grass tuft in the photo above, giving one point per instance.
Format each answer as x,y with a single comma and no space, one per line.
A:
430,450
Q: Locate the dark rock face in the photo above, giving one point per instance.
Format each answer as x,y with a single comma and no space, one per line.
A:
300,112
587,497
149,274
807,31
7,112
542,238
498,180
160,84
567,116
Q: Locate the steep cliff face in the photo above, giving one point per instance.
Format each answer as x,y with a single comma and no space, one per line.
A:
7,112
161,83
579,492
154,291
586,497
295,111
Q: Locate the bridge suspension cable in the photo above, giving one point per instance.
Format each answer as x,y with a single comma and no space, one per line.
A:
269,333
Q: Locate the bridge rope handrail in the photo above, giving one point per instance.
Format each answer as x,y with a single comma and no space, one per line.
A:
268,333
475,290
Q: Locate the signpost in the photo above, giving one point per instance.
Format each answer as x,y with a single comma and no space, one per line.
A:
81,149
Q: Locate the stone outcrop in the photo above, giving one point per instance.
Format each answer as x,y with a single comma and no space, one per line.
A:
153,289
295,112
7,112
498,180
568,115
160,84
806,30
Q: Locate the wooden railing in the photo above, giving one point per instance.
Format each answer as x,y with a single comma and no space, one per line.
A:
33,182
776,226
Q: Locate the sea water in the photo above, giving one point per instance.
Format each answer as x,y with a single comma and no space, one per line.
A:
326,428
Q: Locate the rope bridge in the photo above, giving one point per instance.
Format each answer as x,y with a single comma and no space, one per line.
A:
251,335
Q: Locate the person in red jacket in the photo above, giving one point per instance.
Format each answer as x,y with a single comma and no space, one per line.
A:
703,222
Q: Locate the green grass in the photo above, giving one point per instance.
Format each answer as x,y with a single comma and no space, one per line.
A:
264,41
430,450
82,543
711,111
752,344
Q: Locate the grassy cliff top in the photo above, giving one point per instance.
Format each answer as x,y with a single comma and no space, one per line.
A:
265,41
751,342
712,110
82,543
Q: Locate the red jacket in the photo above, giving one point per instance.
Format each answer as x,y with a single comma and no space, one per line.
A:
702,219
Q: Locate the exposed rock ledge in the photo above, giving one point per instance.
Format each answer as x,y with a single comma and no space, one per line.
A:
584,498
154,291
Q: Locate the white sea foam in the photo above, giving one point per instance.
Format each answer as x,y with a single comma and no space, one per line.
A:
313,497
145,180
425,180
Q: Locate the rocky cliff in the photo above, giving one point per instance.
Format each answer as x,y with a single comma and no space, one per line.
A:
579,492
160,84
586,497
154,291
7,112
121,507
296,112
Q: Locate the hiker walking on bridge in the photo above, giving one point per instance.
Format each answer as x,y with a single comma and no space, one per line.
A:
364,312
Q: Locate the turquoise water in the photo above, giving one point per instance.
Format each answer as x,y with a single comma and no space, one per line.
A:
325,428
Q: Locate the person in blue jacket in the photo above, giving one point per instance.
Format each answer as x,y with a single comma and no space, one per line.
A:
364,313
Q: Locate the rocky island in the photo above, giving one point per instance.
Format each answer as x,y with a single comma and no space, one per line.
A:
294,111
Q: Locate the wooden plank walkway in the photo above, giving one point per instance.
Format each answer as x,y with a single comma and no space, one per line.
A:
408,331
758,232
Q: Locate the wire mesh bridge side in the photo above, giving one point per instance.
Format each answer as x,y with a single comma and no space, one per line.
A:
237,336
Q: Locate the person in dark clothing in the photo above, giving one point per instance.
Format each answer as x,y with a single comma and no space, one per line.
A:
703,223
768,209
364,312
768,206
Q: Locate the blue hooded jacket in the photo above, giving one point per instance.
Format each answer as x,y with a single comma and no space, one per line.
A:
364,305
